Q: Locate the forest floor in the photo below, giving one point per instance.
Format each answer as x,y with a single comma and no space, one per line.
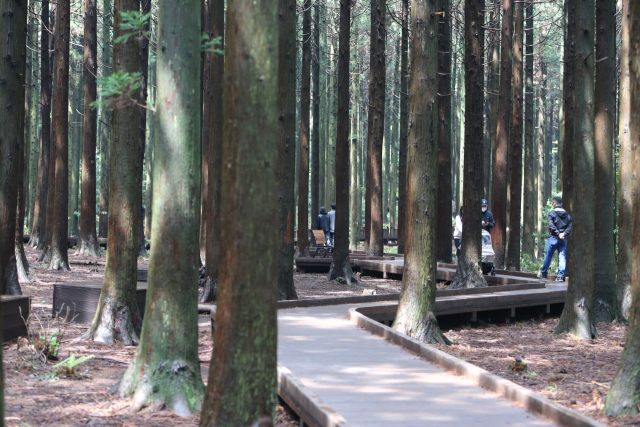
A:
574,373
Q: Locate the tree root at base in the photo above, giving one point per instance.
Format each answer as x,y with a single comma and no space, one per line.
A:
114,323
344,271
210,293
468,275
426,330
88,248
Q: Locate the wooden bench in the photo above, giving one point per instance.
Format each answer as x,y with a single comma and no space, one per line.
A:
318,241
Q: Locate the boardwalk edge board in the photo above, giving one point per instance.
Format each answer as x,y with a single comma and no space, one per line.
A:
305,403
505,388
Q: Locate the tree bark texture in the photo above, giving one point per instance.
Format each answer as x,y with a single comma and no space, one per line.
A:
568,112
494,88
205,78
286,137
500,169
166,370
242,388
404,128
105,121
216,69
416,310
625,387
18,268
604,276
117,317
469,273
515,209
529,202
40,207
445,191
578,314
315,136
88,241
321,47
354,165
540,129
75,128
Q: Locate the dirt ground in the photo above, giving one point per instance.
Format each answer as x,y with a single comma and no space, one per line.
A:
574,373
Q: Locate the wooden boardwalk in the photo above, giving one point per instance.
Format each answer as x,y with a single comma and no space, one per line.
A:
371,382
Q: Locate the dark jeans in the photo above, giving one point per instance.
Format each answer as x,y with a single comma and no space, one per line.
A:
331,237
458,243
553,244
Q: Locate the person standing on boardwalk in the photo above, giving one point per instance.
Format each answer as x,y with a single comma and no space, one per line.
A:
560,225
332,217
324,223
487,217
457,234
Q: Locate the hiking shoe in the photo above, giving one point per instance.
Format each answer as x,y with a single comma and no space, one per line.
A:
559,279
542,276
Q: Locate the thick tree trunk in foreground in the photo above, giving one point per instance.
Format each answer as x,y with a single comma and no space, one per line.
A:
105,120
568,108
40,208
404,128
500,170
529,201
445,191
117,317
216,69
578,313
415,316
469,273
340,264
626,197
242,389
375,129
305,105
59,256
604,276
625,387
515,209
88,241
286,137
166,370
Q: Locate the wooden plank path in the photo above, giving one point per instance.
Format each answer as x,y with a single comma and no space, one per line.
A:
371,382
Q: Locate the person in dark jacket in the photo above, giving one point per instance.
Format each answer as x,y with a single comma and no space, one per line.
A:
324,223
560,225
487,217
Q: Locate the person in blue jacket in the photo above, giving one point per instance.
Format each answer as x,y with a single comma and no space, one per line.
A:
487,217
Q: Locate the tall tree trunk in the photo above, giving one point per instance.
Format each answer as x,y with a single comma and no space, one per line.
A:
205,90
216,69
529,205
445,192
540,129
117,317
548,151
604,276
105,121
375,133
315,136
469,272
626,196
75,128
148,155
305,105
144,86
404,128
395,115
242,390
578,314
166,370
321,43
354,193
286,136
416,310
59,257
494,52
500,169
18,268
568,107
625,387
513,249
88,241
40,208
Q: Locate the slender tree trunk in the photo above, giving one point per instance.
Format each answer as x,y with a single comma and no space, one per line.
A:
625,387
340,264
542,101
18,269
469,272
303,169
88,241
242,390
445,193
500,169
404,128
494,51
216,69
626,196
205,21
40,208
105,120
529,205
354,193
548,151
315,136
578,314
604,276
117,317
321,43
395,115
375,134
75,128
59,257
166,370
144,86
286,136
513,249
568,107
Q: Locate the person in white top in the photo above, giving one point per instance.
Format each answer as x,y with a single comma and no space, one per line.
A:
457,234
332,218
